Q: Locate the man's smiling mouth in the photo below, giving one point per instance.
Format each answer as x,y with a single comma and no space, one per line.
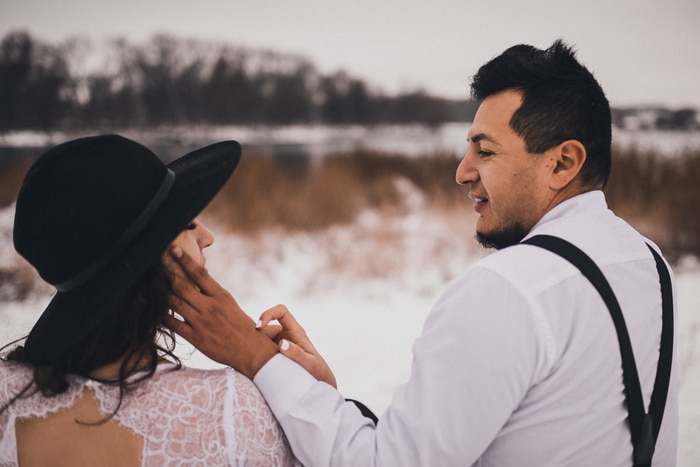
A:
478,199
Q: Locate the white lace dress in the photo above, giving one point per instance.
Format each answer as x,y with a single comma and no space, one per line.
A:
185,417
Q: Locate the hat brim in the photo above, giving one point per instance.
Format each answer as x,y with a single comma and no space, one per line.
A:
199,175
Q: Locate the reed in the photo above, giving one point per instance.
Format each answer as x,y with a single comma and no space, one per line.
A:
658,195
11,176
314,194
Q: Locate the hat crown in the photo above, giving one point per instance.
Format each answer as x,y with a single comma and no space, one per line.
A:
79,198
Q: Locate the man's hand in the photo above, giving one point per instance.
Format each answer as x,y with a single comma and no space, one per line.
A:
295,344
212,320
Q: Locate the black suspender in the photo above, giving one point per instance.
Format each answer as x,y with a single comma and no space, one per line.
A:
644,426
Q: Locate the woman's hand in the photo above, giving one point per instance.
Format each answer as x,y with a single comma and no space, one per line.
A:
294,343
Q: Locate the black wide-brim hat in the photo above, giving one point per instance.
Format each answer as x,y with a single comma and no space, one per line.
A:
93,214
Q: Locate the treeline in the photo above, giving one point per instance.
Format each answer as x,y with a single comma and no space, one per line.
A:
645,118
168,80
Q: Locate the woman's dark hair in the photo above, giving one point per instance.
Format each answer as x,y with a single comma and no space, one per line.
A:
133,330
561,101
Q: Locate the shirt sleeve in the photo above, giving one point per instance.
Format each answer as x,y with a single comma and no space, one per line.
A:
472,366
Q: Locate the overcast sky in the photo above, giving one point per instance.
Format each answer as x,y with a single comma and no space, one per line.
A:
642,51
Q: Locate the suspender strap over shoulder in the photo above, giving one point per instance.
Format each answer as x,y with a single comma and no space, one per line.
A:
644,427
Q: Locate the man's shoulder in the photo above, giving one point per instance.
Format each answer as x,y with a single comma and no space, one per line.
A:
519,270
521,261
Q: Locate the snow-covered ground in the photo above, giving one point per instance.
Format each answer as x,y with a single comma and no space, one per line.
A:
363,291
319,140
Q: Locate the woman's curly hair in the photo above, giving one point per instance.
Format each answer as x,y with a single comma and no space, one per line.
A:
133,331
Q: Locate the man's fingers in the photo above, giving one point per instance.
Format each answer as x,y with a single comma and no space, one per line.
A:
185,296
178,326
213,321
197,273
173,266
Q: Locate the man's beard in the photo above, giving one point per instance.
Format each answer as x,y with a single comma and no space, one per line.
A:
505,238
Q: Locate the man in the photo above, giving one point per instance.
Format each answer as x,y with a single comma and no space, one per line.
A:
518,362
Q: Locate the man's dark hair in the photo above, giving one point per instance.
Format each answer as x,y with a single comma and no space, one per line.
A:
561,101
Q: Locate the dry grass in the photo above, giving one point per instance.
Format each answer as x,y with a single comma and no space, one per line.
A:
314,194
659,195
11,176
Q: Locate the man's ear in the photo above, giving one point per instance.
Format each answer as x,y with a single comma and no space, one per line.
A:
568,158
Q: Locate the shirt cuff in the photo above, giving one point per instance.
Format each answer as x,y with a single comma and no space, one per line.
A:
282,383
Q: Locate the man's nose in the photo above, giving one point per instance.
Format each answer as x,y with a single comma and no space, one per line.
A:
466,172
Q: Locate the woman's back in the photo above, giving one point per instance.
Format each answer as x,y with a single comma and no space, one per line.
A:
185,416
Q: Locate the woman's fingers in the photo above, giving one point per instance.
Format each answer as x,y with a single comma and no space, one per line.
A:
294,343
273,331
310,361
280,313
291,329
299,355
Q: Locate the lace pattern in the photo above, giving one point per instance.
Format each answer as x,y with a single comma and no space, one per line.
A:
186,416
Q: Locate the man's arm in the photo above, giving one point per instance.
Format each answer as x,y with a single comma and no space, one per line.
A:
469,373
205,306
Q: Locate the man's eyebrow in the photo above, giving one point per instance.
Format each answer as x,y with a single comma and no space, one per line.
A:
481,136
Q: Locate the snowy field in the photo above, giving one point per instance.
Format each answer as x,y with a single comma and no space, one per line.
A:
363,292
318,140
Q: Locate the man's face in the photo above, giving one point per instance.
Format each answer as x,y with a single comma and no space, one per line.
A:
508,185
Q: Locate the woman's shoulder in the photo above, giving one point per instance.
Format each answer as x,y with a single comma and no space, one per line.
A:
13,377
223,380
173,371
227,399
18,380
170,371
234,387
209,392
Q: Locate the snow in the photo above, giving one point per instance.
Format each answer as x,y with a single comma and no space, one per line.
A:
363,291
319,140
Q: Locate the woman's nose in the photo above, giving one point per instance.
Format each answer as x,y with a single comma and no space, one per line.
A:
206,238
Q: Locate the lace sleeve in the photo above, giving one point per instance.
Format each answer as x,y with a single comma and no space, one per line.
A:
9,387
258,437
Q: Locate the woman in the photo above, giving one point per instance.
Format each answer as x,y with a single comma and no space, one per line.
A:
96,381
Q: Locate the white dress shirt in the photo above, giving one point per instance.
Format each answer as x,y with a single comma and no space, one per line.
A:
518,364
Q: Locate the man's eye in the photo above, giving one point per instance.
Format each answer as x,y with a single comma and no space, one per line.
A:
484,153
190,226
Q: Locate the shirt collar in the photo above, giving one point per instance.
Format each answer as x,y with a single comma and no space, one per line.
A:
585,201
